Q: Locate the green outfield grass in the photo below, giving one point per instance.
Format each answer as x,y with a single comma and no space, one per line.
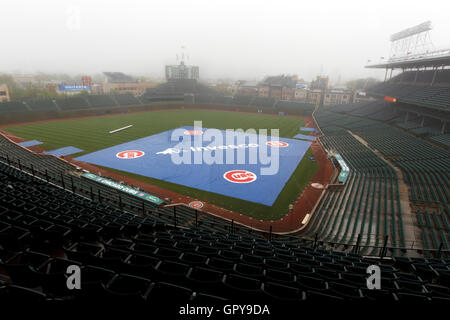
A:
91,134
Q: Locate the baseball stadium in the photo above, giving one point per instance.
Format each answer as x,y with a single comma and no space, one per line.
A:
90,181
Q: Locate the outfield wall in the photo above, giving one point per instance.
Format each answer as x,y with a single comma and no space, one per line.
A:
167,105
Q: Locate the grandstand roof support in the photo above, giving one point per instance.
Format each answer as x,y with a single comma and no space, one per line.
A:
434,75
415,77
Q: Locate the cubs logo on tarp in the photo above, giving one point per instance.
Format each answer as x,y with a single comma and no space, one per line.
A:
196,204
239,176
277,144
193,132
130,154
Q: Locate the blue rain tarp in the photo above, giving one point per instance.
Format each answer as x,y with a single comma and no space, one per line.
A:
63,151
29,143
304,137
153,157
308,129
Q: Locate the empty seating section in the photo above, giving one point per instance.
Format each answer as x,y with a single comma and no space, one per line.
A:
263,102
428,130
175,89
204,99
257,103
68,103
166,92
424,168
126,99
442,76
75,103
13,107
435,229
62,173
369,202
368,108
242,100
51,218
421,88
222,99
423,76
376,109
284,105
99,101
42,105
126,257
442,139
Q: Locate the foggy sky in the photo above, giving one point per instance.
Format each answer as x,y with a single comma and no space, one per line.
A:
227,39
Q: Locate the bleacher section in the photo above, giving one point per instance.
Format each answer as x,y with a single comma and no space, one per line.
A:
369,202
128,258
101,101
263,102
442,139
242,100
396,114
289,105
68,103
167,92
75,103
417,88
435,229
424,168
175,90
42,105
257,103
126,99
222,99
64,174
13,107
423,77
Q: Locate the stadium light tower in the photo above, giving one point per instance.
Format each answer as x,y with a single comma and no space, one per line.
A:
411,41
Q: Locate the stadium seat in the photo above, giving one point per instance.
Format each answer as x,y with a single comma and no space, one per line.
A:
125,288
93,281
311,283
220,264
192,258
83,252
140,265
171,271
282,293
239,288
249,270
281,277
53,275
